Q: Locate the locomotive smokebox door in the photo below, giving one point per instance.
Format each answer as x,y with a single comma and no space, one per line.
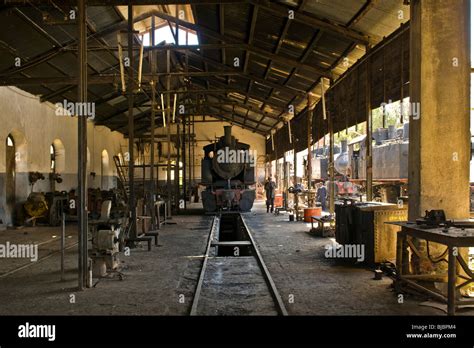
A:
227,172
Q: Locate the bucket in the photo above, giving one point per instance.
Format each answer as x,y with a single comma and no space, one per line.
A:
278,200
308,212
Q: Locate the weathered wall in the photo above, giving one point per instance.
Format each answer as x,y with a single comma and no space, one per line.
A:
34,127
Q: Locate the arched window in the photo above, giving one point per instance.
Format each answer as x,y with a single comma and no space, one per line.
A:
10,180
104,170
10,141
57,154
52,155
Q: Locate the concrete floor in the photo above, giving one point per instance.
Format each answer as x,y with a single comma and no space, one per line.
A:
162,282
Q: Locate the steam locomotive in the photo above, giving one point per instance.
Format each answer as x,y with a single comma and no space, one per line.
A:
389,164
228,171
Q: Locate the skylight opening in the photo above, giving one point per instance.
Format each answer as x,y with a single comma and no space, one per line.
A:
165,35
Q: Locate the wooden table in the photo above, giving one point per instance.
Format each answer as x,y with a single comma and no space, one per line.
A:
319,220
454,238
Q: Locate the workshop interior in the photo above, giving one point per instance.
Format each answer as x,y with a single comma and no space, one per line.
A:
236,158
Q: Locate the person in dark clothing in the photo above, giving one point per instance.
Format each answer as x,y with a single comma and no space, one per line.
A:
321,195
270,187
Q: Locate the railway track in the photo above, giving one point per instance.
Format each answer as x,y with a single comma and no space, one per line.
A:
234,279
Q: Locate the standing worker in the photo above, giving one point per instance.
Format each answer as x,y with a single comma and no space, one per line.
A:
321,195
270,186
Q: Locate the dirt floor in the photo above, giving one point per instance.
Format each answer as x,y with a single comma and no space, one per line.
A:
162,282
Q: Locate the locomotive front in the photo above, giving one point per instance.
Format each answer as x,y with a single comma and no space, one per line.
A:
228,171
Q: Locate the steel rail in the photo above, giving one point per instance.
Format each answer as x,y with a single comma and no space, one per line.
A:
280,306
197,292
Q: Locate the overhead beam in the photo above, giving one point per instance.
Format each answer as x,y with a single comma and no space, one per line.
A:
260,99
312,21
52,95
44,57
121,124
279,10
369,4
344,55
276,51
122,2
222,32
260,80
227,101
253,49
112,119
247,95
136,104
103,79
226,117
143,124
307,52
253,22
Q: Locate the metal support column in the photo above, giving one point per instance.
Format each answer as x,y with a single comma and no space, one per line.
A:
190,143
152,127
309,169
183,150
368,144
332,184
285,182
295,178
191,156
168,133
189,147
82,148
131,129
177,166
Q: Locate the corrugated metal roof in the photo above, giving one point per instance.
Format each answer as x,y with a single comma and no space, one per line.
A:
280,59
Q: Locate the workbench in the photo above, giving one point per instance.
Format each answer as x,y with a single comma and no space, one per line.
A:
322,221
453,238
